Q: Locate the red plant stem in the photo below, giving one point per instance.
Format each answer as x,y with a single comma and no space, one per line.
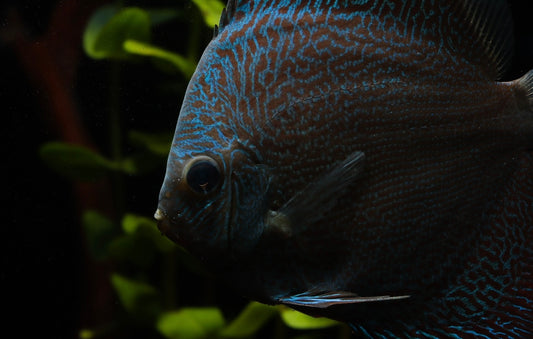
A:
43,70
50,63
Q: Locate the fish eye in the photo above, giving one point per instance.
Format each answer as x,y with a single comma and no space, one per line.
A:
202,174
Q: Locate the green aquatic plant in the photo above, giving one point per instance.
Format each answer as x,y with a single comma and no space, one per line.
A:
147,267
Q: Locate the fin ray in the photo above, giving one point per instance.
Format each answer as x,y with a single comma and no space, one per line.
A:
525,83
310,204
315,299
491,28
226,17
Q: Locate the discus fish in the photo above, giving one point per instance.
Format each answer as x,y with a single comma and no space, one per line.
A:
359,160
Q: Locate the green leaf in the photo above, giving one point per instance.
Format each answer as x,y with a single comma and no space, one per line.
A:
300,321
141,162
142,237
131,165
191,323
110,26
131,223
132,249
99,231
249,321
157,143
182,64
138,298
153,153
92,32
211,10
86,334
75,162
135,224
161,15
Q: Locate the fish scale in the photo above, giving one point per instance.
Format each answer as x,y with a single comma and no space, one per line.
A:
358,161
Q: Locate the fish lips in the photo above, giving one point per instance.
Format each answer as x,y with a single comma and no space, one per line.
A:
174,225
164,224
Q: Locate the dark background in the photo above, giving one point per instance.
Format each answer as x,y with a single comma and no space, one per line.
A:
50,286
45,276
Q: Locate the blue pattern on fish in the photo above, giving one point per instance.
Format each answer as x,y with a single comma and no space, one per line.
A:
358,160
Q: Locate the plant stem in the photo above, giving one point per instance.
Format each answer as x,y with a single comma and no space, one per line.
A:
345,332
169,273
115,136
280,330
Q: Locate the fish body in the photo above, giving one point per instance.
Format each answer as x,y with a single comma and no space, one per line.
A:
359,160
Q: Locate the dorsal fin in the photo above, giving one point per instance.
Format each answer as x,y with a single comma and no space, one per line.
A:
488,34
479,30
226,16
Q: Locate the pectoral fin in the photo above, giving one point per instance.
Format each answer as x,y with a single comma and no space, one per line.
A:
310,204
327,299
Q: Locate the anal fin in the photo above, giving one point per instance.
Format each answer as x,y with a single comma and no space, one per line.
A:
326,299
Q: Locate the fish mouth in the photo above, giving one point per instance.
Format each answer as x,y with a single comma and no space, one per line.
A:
159,215
163,224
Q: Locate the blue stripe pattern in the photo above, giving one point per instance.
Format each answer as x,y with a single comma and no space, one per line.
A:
444,210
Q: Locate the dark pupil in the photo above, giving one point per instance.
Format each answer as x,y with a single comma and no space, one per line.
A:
203,176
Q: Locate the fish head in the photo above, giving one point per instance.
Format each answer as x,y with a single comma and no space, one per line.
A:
191,190
213,202
215,192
